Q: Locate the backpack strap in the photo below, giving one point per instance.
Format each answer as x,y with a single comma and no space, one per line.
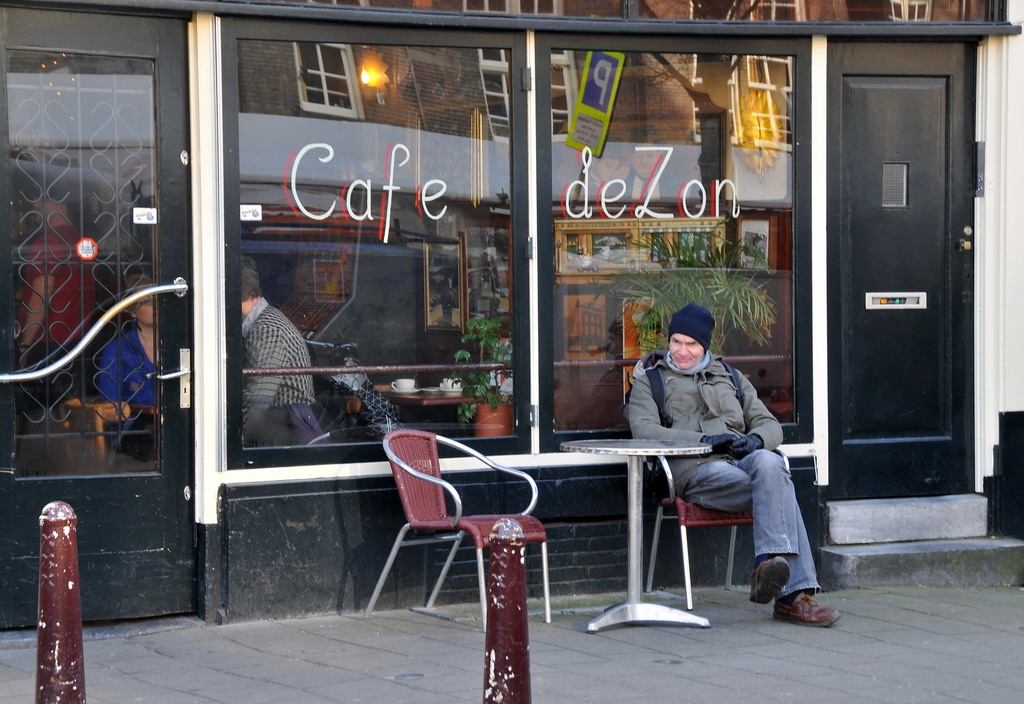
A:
657,380
737,380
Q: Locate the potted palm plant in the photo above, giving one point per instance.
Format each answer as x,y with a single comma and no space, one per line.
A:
724,276
491,410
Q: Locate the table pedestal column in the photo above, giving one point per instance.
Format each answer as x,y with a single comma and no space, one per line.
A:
634,611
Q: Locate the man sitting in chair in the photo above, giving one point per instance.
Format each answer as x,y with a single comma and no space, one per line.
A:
701,404
276,410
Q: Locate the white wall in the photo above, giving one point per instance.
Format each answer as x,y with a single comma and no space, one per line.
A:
999,241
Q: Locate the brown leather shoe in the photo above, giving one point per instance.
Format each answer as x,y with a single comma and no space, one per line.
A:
768,580
806,612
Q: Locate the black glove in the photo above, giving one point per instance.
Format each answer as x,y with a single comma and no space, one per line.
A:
741,447
720,443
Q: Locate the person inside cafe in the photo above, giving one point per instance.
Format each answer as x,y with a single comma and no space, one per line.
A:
125,376
58,296
276,410
742,472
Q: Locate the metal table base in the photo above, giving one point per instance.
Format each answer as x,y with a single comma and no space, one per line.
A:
645,614
634,610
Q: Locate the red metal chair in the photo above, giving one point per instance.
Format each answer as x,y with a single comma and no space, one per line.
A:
690,515
417,471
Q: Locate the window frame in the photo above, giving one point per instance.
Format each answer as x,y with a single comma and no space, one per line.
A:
801,430
236,30
323,108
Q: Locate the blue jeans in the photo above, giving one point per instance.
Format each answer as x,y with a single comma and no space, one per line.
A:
760,481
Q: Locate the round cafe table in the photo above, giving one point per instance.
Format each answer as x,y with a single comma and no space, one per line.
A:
634,610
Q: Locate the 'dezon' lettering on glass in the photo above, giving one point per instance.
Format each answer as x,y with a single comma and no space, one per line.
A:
577,202
651,182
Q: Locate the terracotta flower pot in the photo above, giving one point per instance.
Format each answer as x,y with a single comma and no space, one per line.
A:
493,422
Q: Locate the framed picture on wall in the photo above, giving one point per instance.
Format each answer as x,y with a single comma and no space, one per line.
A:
487,250
586,330
755,234
681,242
444,286
595,246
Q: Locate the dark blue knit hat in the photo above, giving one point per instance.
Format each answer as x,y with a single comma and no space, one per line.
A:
693,321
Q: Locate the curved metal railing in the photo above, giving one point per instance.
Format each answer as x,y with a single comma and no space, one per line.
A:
179,288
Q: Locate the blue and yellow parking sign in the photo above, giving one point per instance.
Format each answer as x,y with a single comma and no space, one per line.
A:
595,101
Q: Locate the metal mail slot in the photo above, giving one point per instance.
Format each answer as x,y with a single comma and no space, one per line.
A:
887,300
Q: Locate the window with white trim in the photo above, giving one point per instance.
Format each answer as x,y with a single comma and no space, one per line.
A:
326,78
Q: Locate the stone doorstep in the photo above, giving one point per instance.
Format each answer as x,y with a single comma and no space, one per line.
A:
865,521
971,562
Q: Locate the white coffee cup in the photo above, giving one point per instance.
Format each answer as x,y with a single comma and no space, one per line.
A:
451,385
403,384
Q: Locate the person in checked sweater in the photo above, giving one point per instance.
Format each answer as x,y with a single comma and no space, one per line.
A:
276,410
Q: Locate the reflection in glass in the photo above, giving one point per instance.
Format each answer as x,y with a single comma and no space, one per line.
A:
375,195
704,10
671,184
542,8
82,155
811,11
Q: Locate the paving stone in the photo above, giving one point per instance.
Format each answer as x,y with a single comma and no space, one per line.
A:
894,645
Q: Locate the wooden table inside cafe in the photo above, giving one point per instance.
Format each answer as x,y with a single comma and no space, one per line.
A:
426,397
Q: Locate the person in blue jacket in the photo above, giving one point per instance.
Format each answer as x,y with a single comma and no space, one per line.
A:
125,377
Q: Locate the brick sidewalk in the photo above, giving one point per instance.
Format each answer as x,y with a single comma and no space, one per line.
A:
901,645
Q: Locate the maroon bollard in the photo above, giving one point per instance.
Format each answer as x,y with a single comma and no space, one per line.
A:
507,642
60,669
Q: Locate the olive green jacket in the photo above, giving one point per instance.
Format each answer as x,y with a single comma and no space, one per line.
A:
700,404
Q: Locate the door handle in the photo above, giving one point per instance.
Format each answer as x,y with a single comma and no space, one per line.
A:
184,375
173,375
178,288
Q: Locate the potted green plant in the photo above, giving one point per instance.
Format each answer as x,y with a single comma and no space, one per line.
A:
725,276
491,409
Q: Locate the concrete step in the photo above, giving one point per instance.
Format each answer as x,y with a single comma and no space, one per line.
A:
861,521
969,562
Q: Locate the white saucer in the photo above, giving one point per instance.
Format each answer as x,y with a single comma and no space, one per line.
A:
406,392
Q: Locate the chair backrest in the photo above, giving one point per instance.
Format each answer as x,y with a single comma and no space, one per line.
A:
421,500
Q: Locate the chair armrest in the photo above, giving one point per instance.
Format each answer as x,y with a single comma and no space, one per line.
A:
452,492
498,467
663,463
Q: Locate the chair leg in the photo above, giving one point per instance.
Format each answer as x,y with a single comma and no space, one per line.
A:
547,584
686,567
732,554
654,546
387,568
456,542
481,580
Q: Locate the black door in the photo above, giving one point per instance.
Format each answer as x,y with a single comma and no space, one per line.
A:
94,206
900,265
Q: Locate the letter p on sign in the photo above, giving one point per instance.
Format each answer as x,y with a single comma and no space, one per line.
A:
595,100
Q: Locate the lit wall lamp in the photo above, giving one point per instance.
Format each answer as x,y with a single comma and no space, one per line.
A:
373,73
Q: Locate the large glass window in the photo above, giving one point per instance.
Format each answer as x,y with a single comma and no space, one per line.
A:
900,11
671,183
542,8
810,11
375,197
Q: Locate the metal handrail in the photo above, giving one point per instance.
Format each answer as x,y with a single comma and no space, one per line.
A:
179,288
